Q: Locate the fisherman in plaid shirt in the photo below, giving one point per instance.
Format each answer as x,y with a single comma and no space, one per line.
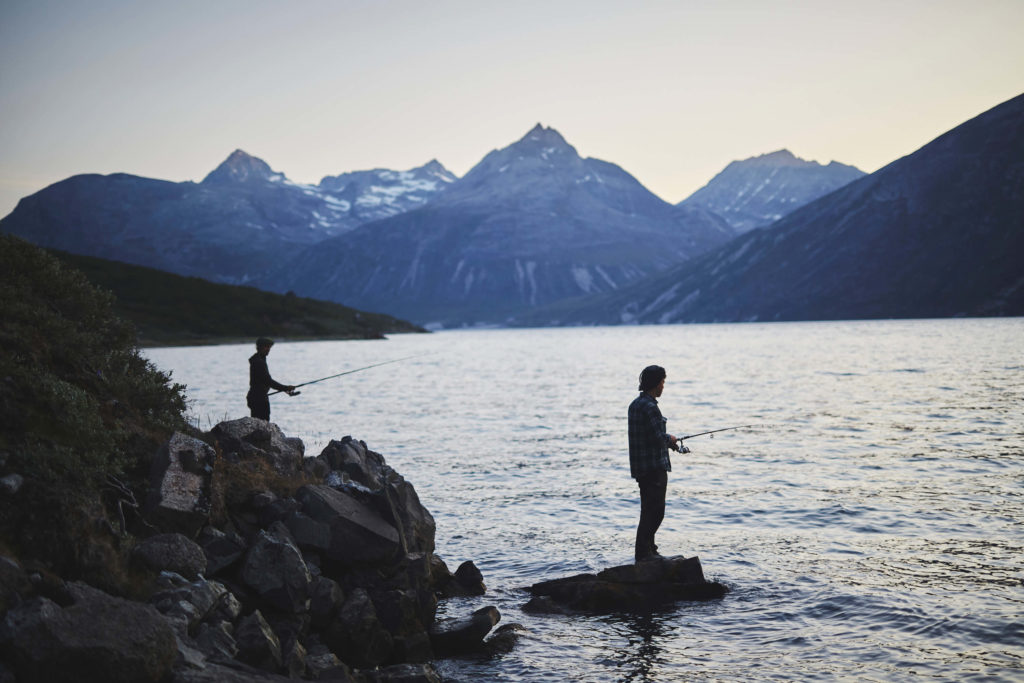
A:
649,463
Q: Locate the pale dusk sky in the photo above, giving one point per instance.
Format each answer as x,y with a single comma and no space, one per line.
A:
670,91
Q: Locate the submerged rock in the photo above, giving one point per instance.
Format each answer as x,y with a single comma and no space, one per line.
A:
457,636
643,586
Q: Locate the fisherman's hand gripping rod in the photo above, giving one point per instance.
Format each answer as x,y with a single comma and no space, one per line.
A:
712,432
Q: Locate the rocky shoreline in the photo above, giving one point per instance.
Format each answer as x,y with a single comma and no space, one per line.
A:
333,579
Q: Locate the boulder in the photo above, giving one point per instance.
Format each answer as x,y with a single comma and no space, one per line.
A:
275,570
217,640
257,643
643,586
327,666
466,581
171,552
96,638
315,468
352,458
325,597
295,659
416,522
358,534
505,638
210,598
250,437
179,488
356,635
222,549
466,634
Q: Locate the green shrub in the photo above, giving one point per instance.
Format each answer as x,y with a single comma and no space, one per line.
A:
77,401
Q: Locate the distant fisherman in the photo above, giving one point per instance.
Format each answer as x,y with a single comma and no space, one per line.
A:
260,381
649,463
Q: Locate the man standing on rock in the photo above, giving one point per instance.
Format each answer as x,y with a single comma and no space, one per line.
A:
649,463
260,381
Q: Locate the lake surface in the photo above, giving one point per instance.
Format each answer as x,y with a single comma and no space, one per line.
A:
873,530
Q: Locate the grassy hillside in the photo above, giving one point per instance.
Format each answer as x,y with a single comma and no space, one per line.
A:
169,309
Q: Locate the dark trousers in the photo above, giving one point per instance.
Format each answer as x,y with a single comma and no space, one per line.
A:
652,510
259,406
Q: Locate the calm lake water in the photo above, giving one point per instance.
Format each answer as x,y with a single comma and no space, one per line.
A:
872,531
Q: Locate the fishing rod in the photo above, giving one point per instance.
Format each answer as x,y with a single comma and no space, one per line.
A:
715,431
347,372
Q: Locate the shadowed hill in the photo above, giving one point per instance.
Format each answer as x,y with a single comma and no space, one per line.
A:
171,309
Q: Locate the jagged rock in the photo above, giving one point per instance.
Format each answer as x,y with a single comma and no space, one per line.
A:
295,660
417,524
288,628
216,640
455,636
226,671
414,647
222,550
356,635
308,532
402,673
96,638
249,437
399,611
171,552
325,597
277,511
637,587
327,666
358,533
469,579
183,617
315,468
179,492
350,457
208,597
275,570
257,643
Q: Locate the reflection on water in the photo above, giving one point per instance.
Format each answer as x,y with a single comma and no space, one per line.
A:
872,531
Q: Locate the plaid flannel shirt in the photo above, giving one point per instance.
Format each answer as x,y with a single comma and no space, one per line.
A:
648,439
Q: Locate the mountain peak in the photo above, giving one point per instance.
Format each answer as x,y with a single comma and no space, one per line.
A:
539,136
242,167
781,157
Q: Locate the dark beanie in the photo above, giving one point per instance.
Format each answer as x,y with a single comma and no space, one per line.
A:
264,341
651,377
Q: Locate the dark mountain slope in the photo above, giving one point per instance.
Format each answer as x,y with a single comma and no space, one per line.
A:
937,233
240,221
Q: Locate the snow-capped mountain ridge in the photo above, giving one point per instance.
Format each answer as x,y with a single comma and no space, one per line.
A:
531,223
758,191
